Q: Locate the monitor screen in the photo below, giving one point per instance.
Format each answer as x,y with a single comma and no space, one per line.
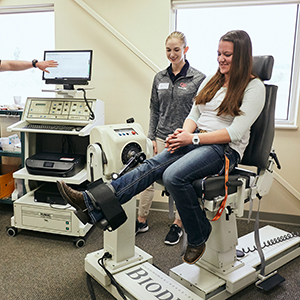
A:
74,67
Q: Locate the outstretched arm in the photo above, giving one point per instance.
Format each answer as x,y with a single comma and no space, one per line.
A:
20,65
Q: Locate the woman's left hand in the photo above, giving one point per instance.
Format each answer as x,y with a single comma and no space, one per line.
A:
181,137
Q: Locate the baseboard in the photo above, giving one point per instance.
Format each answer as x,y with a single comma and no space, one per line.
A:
273,218
263,216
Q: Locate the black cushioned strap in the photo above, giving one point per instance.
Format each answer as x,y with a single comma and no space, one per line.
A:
104,199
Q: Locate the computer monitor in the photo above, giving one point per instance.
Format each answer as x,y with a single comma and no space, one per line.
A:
74,67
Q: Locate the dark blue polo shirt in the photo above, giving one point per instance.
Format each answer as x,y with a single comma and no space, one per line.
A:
182,72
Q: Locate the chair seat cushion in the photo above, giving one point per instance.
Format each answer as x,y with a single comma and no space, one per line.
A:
214,186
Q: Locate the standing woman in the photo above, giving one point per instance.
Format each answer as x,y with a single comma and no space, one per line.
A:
171,100
226,106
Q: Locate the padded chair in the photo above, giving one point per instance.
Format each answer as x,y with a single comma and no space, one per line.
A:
243,185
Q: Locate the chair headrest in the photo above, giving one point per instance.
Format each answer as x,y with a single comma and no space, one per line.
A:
262,66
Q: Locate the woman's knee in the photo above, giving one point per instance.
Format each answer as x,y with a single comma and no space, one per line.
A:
170,179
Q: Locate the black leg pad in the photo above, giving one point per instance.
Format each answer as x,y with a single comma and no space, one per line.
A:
103,198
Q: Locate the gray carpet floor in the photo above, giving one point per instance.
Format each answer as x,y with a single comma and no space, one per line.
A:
42,266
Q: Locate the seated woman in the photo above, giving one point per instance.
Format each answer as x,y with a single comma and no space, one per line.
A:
226,106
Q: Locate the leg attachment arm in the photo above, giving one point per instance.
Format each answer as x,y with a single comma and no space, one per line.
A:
103,198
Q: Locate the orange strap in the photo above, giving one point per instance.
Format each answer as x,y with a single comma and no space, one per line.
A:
222,206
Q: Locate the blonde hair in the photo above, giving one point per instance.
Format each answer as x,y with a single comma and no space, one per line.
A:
178,35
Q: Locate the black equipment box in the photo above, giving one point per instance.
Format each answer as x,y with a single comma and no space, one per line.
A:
48,193
55,164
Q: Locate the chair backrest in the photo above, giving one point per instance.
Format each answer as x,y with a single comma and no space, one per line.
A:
262,131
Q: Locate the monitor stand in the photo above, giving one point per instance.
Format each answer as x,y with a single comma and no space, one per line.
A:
62,93
66,93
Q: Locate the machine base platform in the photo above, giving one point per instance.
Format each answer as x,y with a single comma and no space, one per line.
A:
140,280
208,283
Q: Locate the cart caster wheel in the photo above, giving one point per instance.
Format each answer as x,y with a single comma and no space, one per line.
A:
11,231
79,243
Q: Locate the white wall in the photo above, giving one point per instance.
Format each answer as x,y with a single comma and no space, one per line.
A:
124,82
120,79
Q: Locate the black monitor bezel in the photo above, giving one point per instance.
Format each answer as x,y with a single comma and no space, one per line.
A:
69,81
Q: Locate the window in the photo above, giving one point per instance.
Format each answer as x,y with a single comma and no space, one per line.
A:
25,33
273,31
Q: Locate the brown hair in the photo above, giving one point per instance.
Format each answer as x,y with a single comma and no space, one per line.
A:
240,75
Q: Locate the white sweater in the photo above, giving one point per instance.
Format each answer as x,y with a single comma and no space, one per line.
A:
205,116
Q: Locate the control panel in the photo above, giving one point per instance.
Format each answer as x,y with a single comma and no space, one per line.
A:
59,109
71,116
126,132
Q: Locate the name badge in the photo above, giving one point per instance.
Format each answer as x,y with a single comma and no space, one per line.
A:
163,86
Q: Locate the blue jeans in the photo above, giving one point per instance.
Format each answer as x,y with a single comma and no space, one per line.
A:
178,171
